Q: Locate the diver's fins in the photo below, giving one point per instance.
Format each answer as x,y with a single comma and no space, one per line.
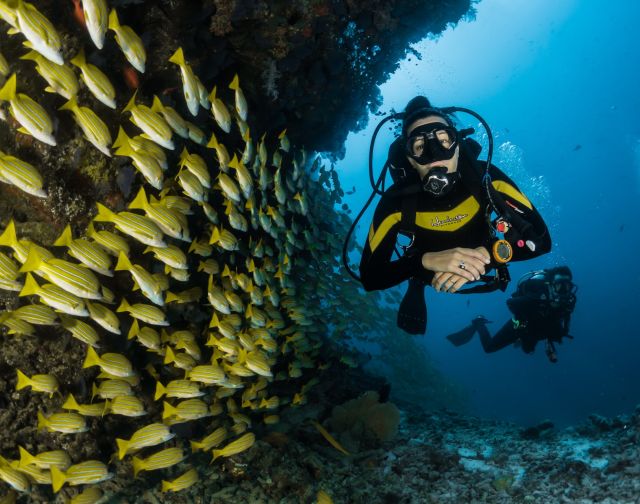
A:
412,313
463,336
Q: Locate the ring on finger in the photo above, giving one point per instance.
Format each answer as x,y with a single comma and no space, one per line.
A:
462,265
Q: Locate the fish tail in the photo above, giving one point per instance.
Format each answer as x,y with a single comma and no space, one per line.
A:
123,446
71,403
124,306
31,55
122,140
212,95
140,202
57,478
195,446
201,265
25,457
72,104
157,105
235,83
30,288
23,380
42,421
234,162
216,454
104,214
215,236
92,358
171,297
114,24
132,102
33,262
166,486
138,465
213,142
169,356
168,410
160,391
8,237
79,60
135,329
65,238
164,336
94,391
8,91
177,57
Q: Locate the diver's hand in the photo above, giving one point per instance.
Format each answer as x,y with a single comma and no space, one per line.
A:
448,282
449,261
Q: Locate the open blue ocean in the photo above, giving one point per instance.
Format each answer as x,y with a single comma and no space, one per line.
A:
558,83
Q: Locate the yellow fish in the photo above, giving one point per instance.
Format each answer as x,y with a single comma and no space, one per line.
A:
67,423
150,435
190,409
88,253
208,442
94,128
221,152
97,82
95,409
80,330
153,124
109,241
182,389
164,458
241,101
84,473
9,274
196,165
147,337
130,43
39,383
129,406
137,226
91,495
45,460
113,363
147,283
60,78
220,112
39,31
33,119
96,17
189,82
144,312
22,175
174,120
68,276
239,445
104,317
146,163
14,478
182,482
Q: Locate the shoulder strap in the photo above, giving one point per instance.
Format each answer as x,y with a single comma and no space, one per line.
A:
408,218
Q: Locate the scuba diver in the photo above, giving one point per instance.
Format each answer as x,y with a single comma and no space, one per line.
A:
461,220
541,306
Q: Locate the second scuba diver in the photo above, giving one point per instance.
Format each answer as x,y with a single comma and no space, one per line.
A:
541,306
443,203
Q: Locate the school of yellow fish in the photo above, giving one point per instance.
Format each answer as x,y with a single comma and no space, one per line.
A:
239,230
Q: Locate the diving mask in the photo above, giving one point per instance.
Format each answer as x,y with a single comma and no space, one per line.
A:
432,142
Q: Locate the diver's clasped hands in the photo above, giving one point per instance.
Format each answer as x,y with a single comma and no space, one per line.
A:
455,267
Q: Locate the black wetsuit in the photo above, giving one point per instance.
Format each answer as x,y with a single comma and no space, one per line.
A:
454,220
535,318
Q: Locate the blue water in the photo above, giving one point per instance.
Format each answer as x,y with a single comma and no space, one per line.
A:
558,81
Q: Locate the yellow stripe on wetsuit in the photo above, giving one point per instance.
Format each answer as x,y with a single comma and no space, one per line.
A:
510,191
449,220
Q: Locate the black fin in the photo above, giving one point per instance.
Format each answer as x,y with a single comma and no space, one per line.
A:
412,313
463,336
